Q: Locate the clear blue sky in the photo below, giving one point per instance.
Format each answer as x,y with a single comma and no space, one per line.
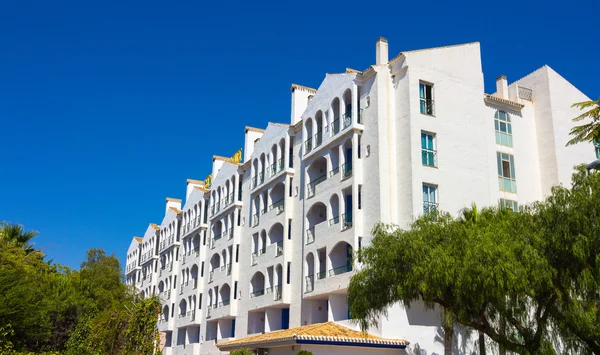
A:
107,107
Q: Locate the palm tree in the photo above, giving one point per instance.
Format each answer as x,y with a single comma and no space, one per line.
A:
587,132
14,233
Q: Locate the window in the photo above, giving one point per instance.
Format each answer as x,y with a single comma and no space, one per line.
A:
360,197
237,252
290,228
503,129
235,290
289,266
202,270
430,203
513,205
506,172
428,152
426,98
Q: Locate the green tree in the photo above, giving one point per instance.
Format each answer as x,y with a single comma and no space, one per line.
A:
304,352
15,233
241,352
590,131
519,278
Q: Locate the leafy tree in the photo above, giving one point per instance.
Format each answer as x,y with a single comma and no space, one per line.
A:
587,132
304,352
519,278
242,352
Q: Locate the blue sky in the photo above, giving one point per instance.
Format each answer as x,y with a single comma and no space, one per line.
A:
107,107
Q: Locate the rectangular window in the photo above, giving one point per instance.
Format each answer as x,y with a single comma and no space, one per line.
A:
358,150
290,228
204,239
239,222
237,252
291,189
289,266
430,201
513,205
172,310
235,290
506,172
175,282
202,270
200,302
503,128
428,152
426,98
360,197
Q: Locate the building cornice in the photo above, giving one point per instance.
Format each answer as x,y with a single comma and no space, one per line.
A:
155,226
253,129
498,101
192,181
303,88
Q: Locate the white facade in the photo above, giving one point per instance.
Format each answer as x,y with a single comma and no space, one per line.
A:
266,245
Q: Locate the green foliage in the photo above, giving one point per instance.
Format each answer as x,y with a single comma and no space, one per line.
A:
241,352
590,131
304,352
520,278
47,308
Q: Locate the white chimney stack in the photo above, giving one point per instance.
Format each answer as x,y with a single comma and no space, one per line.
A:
190,187
502,87
172,202
381,51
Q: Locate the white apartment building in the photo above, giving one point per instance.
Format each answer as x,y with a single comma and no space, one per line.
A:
265,244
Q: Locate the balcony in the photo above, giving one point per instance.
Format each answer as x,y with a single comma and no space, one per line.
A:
279,251
311,187
347,218
347,118
208,312
340,270
197,252
224,303
254,182
335,220
254,259
228,269
261,178
230,234
276,167
336,126
334,171
257,293
318,138
310,235
279,206
308,146
346,170
255,220
310,283
278,293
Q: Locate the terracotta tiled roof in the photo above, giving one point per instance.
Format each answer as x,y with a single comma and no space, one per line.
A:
138,239
195,181
203,189
176,210
225,159
173,199
322,332
248,128
155,226
499,99
353,71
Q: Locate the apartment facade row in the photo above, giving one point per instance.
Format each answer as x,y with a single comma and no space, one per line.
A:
266,242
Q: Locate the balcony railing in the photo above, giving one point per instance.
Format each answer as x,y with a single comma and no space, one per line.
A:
262,251
224,303
310,283
336,126
183,259
279,249
208,311
347,119
195,283
427,106
181,289
311,186
261,178
269,290
193,315
276,167
429,207
254,182
257,293
228,269
340,270
334,220
321,275
230,233
279,205
211,276
254,259
318,138
347,218
310,235
197,251
346,170
308,145
255,220
278,292
429,157
334,171
218,236
360,116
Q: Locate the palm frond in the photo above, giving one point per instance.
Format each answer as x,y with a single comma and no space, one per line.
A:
588,132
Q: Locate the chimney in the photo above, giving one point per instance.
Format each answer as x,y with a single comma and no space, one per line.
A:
381,51
190,187
502,87
172,202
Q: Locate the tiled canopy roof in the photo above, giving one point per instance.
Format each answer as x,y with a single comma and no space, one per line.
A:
178,211
155,226
329,333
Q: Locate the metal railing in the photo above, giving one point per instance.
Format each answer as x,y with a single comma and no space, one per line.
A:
279,247
334,171
224,303
195,283
261,178
429,157
228,269
183,259
311,186
347,219
269,290
321,275
211,276
257,293
359,119
278,292
181,289
310,235
307,145
318,138
254,259
336,126
254,182
230,233
310,283
346,170
340,270
278,205
429,207
255,220
262,251
193,316
208,311
334,220
525,93
197,251
347,119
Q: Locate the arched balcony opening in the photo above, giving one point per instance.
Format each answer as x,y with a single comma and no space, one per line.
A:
319,128
308,143
282,154
196,244
224,259
165,313
317,173
278,282
215,262
316,215
335,122
334,207
310,272
276,238
226,193
340,259
211,299
347,117
275,168
225,295
263,166
277,195
194,275
182,308
347,166
161,287
262,243
218,230
255,171
257,285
